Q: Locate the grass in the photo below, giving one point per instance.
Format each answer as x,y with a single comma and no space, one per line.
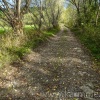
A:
28,27
91,39
35,38
14,48
2,31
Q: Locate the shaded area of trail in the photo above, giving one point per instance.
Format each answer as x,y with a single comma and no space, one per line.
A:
57,68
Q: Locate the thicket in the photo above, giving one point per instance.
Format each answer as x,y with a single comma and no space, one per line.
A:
86,24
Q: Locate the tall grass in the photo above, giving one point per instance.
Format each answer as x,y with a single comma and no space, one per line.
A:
14,47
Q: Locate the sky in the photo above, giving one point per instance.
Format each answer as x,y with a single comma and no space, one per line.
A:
65,4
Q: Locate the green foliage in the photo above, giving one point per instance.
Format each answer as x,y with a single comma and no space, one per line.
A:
87,25
28,19
38,37
69,16
15,48
91,38
2,31
18,51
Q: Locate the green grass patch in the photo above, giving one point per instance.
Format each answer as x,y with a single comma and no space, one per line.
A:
18,52
2,31
28,27
6,29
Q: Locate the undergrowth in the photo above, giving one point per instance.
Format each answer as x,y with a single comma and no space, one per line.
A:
13,47
90,37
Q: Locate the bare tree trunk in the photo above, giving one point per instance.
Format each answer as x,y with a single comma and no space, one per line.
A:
18,27
14,13
97,16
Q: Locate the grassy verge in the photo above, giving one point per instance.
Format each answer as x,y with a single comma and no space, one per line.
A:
14,48
35,38
91,39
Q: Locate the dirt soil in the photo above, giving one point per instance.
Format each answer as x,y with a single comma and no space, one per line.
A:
60,69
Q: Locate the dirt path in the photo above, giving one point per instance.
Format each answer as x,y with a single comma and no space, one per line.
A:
55,70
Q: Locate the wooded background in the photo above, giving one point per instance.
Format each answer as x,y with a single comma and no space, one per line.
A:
23,21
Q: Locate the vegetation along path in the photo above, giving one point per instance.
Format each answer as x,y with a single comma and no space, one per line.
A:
54,71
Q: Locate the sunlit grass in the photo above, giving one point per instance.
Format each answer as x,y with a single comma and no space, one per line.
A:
29,27
6,29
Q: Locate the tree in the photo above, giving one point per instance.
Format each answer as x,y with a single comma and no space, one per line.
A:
37,10
53,11
87,11
12,13
77,4
46,12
